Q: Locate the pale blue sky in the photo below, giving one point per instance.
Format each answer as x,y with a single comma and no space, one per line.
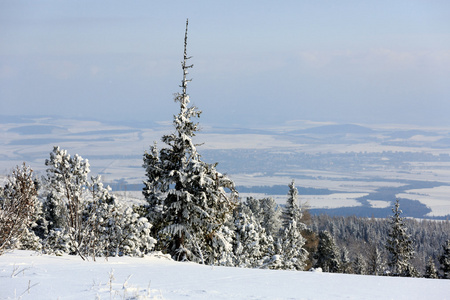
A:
255,62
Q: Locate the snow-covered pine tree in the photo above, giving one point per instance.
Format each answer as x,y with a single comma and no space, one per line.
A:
327,255
80,216
444,260
345,262
360,265
186,197
154,190
251,245
430,269
256,208
270,216
399,246
52,215
293,253
18,210
116,229
291,211
375,261
67,179
292,242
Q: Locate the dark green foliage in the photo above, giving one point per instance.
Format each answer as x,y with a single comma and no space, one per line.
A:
53,213
444,260
327,256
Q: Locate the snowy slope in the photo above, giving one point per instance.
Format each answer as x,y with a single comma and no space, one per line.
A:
27,275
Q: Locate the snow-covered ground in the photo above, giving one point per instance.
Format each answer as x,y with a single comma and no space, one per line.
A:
27,275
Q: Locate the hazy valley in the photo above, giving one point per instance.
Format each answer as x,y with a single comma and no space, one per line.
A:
341,169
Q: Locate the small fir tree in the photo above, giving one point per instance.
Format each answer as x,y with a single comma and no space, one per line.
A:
251,245
292,242
80,216
294,255
345,264
430,269
360,265
291,211
67,180
267,212
399,246
18,210
375,262
116,230
327,255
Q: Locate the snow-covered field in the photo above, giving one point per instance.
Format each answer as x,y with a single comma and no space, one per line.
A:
27,275
436,198
398,156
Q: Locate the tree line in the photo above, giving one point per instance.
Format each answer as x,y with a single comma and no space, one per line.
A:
368,245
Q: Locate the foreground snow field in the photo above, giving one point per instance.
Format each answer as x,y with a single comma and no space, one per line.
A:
28,275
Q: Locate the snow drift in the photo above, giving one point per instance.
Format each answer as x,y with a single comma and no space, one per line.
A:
28,275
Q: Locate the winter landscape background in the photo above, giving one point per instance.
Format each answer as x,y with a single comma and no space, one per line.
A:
97,80
340,169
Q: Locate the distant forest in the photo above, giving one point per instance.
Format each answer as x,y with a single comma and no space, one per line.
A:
361,236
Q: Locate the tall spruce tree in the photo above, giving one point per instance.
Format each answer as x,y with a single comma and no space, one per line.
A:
189,202
399,246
